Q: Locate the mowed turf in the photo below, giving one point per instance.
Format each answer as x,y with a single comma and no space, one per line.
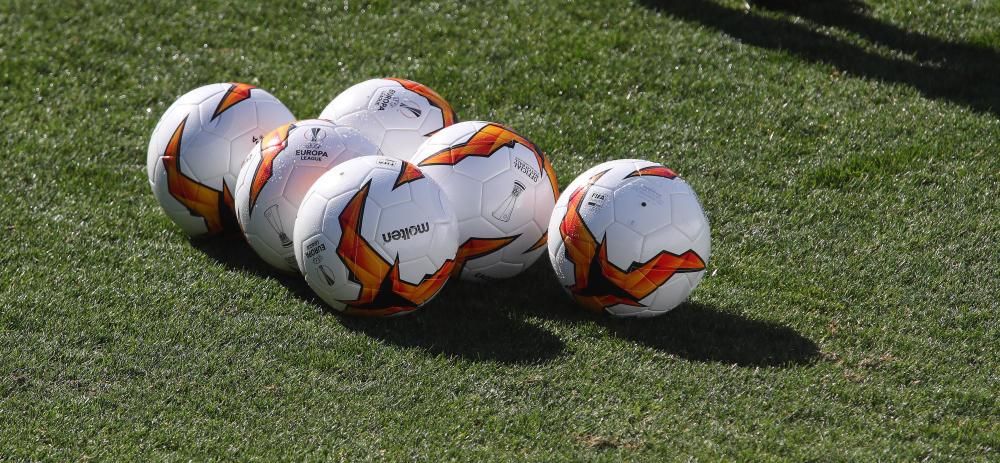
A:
846,154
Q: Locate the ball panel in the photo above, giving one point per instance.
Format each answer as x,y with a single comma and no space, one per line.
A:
597,211
271,114
415,270
236,120
525,165
401,143
331,226
308,222
505,204
191,224
448,136
164,131
484,168
403,230
294,185
624,245
354,99
390,196
643,206
666,239
671,294
398,108
433,121
687,215
365,123
622,310
200,94
268,254
468,192
320,266
527,242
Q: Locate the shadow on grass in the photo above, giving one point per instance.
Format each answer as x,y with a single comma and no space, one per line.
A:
466,331
940,69
485,322
488,322
692,331
233,252
705,333
447,326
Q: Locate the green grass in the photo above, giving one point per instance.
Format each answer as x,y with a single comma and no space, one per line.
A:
848,162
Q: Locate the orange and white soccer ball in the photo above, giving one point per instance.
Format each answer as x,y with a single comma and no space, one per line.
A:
503,190
198,147
630,238
375,237
397,115
276,176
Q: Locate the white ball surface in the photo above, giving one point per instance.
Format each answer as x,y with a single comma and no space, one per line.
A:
198,146
630,238
503,190
276,176
397,115
375,237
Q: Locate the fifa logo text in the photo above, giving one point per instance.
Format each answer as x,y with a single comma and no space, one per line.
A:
406,233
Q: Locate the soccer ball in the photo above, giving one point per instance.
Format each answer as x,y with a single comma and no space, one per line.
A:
375,237
276,176
502,189
629,237
397,115
197,149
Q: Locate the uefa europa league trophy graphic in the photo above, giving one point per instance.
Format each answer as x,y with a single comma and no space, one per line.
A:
327,274
274,220
503,211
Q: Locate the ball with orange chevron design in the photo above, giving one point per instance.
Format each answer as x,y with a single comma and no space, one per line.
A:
276,176
198,147
375,237
397,115
630,238
503,189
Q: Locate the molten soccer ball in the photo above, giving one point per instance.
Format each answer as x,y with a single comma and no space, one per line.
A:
197,149
397,115
276,176
375,237
502,189
629,237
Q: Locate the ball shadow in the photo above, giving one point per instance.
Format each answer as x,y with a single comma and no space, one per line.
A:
693,331
704,333
233,252
473,321
489,322
463,322
469,331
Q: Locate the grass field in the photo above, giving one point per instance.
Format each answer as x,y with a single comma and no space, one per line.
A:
847,154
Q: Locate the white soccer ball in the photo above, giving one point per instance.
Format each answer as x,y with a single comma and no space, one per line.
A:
397,115
276,176
197,149
502,189
629,237
375,237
